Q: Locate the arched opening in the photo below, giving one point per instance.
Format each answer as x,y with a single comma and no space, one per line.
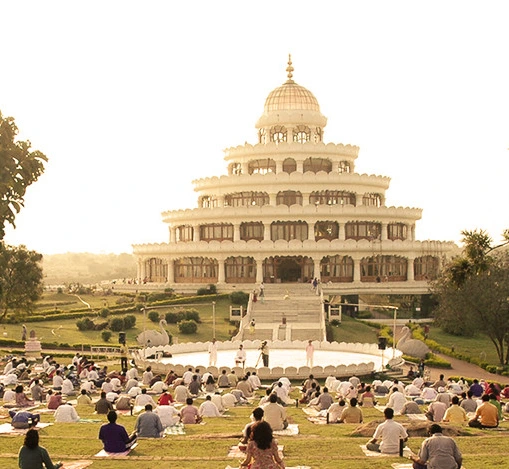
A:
288,269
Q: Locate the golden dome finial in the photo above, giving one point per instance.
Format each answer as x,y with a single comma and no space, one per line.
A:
289,69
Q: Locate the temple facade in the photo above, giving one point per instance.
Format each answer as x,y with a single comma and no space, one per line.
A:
291,208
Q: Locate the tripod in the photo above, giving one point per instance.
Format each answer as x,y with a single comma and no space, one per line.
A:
258,361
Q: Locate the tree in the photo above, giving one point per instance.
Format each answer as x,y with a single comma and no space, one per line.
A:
20,167
20,279
473,292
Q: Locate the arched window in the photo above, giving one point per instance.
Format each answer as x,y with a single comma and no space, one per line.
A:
426,267
336,269
195,270
363,230
372,200
289,165
240,270
326,230
156,270
384,269
246,199
235,169
397,231
278,134
208,202
264,166
344,167
301,134
288,230
251,230
289,198
185,233
318,134
332,198
216,232
317,164
262,136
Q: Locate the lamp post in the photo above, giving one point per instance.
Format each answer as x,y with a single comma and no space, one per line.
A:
213,319
394,332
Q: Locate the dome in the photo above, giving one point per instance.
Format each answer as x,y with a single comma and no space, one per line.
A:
290,96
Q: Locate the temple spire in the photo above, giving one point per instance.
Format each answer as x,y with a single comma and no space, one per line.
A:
290,69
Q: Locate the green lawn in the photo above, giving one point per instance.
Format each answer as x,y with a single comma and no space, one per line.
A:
318,446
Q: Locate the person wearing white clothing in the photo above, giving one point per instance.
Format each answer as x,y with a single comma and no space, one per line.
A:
143,399
159,387
396,400
213,352
208,408
310,351
132,373
66,414
240,357
168,414
218,400
68,387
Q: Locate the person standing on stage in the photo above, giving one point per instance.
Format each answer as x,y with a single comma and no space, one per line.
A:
310,351
240,357
265,353
213,352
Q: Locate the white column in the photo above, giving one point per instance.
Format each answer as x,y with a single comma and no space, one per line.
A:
311,230
173,234
384,232
279,167
143,270
220,271
236,232
196,233
341,231
272,199
244,168
266,231
305,198
170,278
410,269
356,270
316,263
259,269
358,199
300,166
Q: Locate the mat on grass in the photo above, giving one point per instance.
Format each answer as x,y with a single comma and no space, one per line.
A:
367,452
235,452
417,417
77,464
287,467
293,429
318,420
311,411
407,465
105,454
7,428
177,429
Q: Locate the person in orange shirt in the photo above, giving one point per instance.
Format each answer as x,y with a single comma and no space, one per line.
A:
486,415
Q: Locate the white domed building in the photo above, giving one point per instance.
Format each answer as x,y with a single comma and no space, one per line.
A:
291,208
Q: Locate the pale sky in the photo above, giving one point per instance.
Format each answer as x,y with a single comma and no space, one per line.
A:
132,101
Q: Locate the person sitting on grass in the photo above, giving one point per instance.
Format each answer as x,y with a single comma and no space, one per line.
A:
84,398
103,406
390,433
262,448
114,436
189,414
33,456
486,415
437,451
351,414
256,416
148,424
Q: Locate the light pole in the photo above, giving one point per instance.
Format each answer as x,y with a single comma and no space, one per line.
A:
394,332
213,319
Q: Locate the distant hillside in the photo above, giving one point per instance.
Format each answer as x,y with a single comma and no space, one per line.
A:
87,268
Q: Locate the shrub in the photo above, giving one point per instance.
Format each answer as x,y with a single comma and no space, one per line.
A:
123,300
117,324
192,315
85,324
153,316
188,327
99,326
175,317
239,298
106,335
211,289
104,313
129,321
60,290
364,315
169,291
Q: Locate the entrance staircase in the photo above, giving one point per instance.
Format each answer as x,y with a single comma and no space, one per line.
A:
287,312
